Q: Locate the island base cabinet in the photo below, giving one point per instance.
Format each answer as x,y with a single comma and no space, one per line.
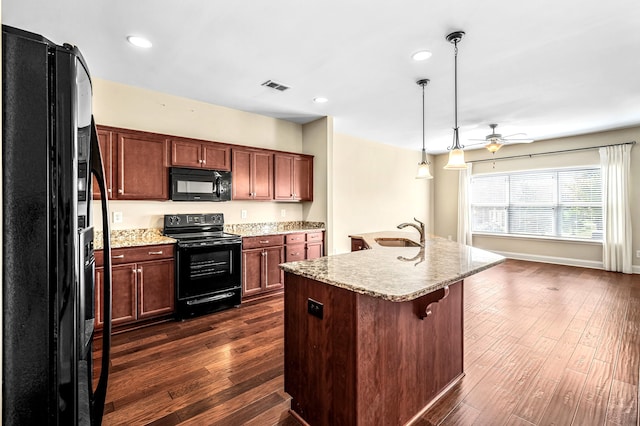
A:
368,361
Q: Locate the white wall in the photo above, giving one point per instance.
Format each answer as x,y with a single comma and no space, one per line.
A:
140,109
374,188
577,253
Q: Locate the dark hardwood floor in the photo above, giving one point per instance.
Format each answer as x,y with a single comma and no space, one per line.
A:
544,344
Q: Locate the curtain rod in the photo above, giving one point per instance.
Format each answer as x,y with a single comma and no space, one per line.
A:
550,152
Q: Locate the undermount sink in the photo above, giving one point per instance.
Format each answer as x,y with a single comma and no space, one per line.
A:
396,242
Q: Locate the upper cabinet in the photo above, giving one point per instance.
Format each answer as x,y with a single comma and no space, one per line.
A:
252,177
105,140
200,154
293,177
135,164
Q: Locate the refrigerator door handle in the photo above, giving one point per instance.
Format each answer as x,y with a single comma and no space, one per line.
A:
100,394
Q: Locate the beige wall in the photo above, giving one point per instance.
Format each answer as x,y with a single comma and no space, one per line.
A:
374,188
583,254
134,108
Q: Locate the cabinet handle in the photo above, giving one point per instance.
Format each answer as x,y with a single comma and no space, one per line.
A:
264,241
155,252
139,270
109,191
264,253
120,191
119,256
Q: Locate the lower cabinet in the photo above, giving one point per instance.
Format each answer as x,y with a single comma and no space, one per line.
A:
260,259
143,283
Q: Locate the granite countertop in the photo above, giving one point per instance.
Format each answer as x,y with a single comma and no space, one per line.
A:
270,228
151,236
397,274
133,238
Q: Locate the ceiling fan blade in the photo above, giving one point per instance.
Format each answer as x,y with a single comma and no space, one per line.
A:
515,134
481,140
517,140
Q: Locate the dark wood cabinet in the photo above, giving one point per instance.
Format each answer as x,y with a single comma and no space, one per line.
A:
142,167
135,164
200,154
143,284
252,174
293,177
105,141
304,245
260,259
358,244
314,245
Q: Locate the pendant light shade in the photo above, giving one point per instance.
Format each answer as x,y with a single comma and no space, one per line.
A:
423,166
456,154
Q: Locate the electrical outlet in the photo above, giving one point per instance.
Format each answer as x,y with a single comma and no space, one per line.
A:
117,217
283,213
243,214
638,254
315,308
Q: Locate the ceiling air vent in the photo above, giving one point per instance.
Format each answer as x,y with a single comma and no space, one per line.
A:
275,85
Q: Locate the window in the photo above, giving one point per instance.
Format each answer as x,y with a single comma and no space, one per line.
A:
564,203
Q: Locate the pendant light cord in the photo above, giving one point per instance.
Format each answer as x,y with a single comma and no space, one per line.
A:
455,84
423,149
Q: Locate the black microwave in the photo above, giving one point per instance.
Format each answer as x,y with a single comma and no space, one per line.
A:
200,185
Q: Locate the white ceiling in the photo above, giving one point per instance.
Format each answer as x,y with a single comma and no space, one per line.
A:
548,68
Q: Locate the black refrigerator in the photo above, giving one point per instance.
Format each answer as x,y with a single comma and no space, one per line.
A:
49,153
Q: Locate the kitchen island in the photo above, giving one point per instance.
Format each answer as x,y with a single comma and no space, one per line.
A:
375,337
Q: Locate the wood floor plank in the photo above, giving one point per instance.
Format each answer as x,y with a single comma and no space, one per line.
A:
565,399
623,404
592,409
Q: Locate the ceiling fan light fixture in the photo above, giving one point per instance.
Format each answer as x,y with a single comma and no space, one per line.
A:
423,166
493,147
456,154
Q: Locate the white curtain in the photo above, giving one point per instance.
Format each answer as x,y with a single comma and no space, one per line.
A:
617,251
464,206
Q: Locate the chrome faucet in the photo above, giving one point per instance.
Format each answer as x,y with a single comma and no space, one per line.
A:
419,228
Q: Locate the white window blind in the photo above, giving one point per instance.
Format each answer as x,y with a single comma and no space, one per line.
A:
563,203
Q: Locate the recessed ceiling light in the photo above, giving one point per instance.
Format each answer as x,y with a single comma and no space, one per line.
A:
421,55
139,41
320,100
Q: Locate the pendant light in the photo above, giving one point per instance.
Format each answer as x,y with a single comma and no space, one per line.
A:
423,166
456,154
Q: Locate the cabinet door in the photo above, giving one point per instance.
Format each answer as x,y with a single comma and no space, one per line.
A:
314,250
241,186
123,295
155,288
186,154
283,171
274,276
303,178
252,272
216,157
105,142
262,176
142,167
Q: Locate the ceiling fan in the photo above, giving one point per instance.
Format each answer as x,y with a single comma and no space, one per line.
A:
494,141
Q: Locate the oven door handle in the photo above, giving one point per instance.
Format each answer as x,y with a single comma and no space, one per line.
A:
226,295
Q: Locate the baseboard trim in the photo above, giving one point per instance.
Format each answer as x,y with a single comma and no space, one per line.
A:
567,261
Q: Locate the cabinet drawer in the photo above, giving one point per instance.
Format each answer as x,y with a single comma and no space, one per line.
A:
264,241
314,236
294,238
294,252
136,254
